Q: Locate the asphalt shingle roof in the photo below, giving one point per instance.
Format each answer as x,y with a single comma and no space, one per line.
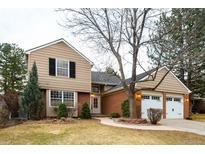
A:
109,79
138,77
104,78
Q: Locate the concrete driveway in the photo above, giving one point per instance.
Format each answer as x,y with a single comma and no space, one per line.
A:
166,124
185,125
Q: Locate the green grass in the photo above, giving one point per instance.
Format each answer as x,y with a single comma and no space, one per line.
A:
198,117
91,132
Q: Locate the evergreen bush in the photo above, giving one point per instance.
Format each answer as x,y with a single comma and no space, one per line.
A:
115,115
125,108
62,111
85,113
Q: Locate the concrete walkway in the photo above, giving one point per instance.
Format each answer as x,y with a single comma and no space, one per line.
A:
166,124
113,122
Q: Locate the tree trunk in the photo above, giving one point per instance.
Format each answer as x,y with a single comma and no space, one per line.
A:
133,111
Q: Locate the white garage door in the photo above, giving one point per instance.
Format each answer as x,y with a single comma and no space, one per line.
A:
174,107
149,101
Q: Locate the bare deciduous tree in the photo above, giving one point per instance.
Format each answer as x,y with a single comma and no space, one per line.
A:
116,31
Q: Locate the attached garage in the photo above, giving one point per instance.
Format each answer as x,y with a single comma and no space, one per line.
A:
173,107
170,95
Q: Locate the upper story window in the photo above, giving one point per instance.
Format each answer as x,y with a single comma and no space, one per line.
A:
62,68
95,89
58,67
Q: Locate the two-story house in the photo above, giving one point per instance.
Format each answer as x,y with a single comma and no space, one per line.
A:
65,76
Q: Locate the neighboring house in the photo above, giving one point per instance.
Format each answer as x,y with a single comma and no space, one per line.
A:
65,76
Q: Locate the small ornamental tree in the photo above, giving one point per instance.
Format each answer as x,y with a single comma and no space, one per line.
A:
62,111
125,108
11,100
85,113
31,99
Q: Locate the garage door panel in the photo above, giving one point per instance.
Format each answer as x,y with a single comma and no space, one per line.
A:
174,107
148,102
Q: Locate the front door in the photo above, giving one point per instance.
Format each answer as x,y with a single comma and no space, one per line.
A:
95,104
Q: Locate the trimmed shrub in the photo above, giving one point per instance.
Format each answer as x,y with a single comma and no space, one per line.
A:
154,115
85,113
115,115
125,109
62,111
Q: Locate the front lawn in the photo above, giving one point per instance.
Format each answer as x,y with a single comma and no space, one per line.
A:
198,117
91,132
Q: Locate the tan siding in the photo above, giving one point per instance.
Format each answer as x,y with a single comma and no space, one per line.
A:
82,82
169,84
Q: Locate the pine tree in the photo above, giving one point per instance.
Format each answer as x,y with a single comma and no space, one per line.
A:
31,99
181,36
12,68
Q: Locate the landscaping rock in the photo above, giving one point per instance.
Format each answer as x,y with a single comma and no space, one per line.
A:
133,121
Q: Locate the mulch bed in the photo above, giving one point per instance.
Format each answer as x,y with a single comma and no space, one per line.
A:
133,121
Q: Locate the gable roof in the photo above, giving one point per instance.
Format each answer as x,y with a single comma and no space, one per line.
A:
104,78
55,42
143,76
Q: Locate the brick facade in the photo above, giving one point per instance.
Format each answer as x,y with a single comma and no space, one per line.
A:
112,102
82,98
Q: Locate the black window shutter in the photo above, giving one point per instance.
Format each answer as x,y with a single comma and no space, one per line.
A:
52,66
72,69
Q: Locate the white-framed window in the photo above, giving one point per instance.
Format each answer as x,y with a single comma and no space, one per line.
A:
145,97
68,98
95,102
156,98
57,97
62,67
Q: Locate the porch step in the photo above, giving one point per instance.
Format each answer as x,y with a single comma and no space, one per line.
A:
98,115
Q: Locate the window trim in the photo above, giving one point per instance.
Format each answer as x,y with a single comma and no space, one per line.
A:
75,98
